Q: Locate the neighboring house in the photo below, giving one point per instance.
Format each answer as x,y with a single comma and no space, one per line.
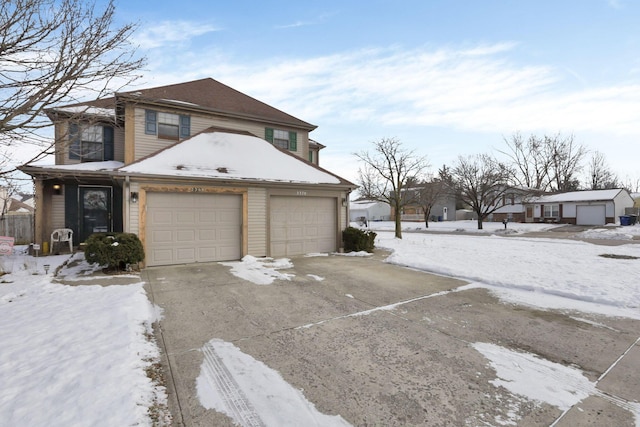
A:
444,208
513,205
370,210
591,207
199,171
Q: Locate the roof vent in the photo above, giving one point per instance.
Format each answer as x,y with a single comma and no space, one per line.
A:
222,170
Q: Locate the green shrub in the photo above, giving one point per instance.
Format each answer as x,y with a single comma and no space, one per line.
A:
356,240
114,250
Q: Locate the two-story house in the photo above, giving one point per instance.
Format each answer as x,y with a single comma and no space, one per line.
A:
199,171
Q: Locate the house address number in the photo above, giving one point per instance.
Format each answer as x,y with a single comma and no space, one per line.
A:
301,193
197,189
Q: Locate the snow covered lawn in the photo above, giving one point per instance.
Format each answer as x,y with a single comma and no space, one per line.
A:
547,273
74,355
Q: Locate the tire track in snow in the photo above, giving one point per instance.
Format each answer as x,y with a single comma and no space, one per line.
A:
220,379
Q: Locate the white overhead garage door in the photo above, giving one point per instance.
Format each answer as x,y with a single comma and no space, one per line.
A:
185,228
590,215
302,225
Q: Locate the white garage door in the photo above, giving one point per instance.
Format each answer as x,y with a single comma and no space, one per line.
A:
590,215
187,227
302,225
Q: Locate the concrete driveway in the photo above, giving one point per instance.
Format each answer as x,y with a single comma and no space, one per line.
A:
411,365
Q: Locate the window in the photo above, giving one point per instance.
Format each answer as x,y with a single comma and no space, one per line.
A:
90,143
282,138
551,211
167,125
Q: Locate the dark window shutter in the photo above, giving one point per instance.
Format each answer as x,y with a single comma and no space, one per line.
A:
293,141
107,138
151,122
268,134
74,141
185,126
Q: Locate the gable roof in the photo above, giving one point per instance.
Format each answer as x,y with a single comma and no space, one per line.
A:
218,154
579,196
211,95
205,94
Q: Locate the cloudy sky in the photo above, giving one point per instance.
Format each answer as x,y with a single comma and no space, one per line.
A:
446,77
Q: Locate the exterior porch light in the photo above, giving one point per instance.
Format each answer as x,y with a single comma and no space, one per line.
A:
134,197
57,189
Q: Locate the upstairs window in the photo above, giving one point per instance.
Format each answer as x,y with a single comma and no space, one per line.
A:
287,140
167,125
90,143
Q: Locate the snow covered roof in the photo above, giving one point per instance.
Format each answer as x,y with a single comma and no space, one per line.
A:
363,204
230,156
578,196
85,167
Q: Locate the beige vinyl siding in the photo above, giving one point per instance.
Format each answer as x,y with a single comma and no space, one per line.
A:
257,221
149,144
57,211
344,215
133,224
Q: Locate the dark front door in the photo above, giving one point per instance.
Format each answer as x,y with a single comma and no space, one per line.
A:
95,210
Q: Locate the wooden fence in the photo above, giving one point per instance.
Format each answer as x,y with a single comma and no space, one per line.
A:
20,227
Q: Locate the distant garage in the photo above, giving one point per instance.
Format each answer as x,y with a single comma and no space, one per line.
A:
301,225
184,228
590,214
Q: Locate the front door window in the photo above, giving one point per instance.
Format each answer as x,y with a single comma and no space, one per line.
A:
95,211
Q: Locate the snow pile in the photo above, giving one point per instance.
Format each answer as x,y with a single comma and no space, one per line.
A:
251,393
261,271
74,355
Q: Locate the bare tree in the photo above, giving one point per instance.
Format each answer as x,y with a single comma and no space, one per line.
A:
481,181
54,51
428,195
550,163
529,160
632,185
386,173
600,174
566,162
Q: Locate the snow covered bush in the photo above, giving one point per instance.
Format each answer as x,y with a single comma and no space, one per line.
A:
114,251
356,240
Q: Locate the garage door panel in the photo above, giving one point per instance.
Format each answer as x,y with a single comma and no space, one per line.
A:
162,217
161,236
185,236
186,228
185,254
302,225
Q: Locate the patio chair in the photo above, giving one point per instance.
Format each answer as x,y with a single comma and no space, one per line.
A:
62,235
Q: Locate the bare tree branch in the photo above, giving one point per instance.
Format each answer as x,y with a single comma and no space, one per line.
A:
55,51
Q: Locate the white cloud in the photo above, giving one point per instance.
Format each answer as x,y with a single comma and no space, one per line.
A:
165,33
475,93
